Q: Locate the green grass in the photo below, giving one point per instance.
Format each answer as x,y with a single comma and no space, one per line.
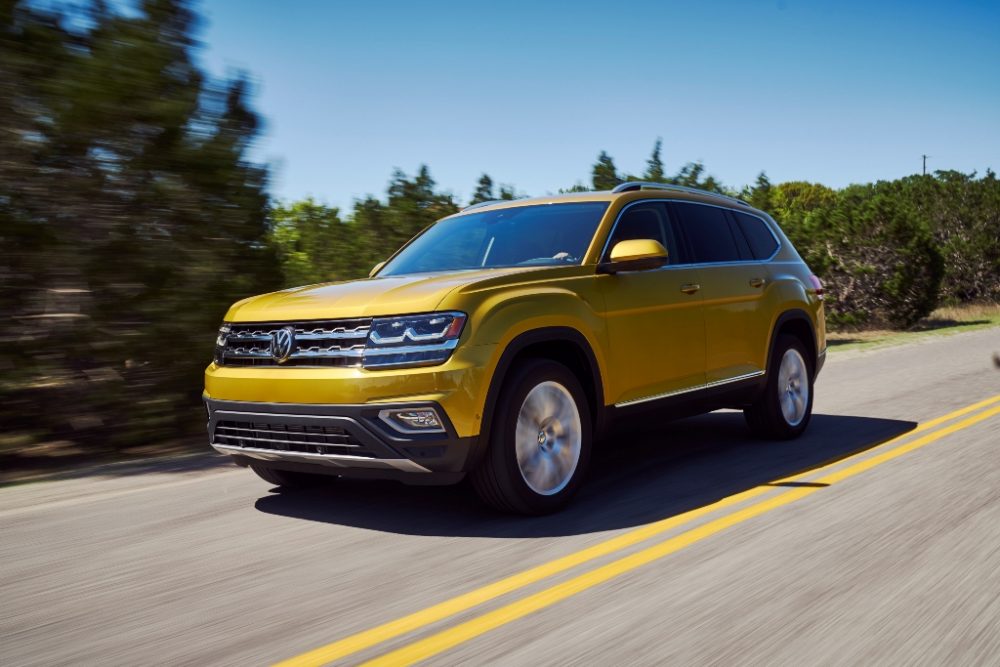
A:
942,322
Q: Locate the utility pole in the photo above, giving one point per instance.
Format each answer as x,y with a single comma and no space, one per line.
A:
925,163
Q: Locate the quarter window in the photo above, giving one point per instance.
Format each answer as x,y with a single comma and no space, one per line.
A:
707,232
760,238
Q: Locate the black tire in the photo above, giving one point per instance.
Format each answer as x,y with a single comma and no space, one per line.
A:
286,479
498,479
765,416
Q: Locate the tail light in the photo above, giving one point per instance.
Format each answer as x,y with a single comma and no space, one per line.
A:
817,286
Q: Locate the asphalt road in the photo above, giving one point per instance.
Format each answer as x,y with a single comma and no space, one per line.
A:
689,545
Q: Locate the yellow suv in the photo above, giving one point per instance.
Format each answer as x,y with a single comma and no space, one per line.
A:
503,340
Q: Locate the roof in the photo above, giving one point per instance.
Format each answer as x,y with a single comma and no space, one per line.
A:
626,191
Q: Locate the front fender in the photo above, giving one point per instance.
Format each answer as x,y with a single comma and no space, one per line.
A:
499,316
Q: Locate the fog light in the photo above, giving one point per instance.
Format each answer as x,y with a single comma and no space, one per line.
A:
413,420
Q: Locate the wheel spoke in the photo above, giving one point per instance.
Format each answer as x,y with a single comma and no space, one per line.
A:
548,438
787,406
793,387
800,406
547,475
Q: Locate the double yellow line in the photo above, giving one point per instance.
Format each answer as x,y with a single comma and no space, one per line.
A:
455,635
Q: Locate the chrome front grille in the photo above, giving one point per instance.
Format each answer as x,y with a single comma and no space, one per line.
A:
327,343
289,437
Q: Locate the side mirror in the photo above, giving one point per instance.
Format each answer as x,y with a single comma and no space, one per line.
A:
634,255
375,269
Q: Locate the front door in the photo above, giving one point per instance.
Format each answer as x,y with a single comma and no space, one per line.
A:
655,321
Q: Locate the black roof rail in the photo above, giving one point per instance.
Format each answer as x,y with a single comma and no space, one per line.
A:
631,186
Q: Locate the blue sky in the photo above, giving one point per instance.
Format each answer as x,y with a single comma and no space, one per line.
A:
529,92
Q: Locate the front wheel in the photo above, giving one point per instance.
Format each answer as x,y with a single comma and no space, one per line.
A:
783,410
540,442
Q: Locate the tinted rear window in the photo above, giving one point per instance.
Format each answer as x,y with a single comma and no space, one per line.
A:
707,232
760,238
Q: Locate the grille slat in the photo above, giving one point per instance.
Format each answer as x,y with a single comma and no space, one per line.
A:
326,343
346,442
284,437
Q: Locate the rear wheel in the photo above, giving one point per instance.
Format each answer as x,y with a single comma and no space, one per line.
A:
285,478
540,442
784,408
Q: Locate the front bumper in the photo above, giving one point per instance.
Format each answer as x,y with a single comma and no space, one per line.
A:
345,440
459,385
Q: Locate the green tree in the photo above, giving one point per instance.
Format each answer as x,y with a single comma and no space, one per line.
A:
135,219
413,205
759,195
654,166
380,228
605,175
690,175
693,175
314,245
484,190
964,217
874,249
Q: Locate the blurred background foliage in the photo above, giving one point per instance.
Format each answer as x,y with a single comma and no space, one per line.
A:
131,217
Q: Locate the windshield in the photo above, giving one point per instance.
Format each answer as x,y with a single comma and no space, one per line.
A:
542,235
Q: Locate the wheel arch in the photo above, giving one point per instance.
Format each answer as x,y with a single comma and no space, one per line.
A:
795,322
566,345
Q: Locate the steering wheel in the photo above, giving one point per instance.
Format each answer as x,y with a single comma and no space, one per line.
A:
559,256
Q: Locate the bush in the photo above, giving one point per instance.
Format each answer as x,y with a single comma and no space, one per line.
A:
875,251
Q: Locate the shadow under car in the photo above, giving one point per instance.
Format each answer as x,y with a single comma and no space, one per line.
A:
635,477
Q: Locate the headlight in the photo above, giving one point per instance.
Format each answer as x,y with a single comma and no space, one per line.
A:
220,342
412,340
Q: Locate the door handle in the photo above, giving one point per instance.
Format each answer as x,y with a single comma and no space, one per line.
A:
756,282
690,288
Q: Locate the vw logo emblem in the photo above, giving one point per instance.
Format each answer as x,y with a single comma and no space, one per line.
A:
282,344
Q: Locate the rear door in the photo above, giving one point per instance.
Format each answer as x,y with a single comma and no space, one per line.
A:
733,284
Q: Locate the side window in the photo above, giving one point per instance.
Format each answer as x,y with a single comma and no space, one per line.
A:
646,221
760,238
707,231
741,242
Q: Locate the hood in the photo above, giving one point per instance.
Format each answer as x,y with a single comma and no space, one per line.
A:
392,295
